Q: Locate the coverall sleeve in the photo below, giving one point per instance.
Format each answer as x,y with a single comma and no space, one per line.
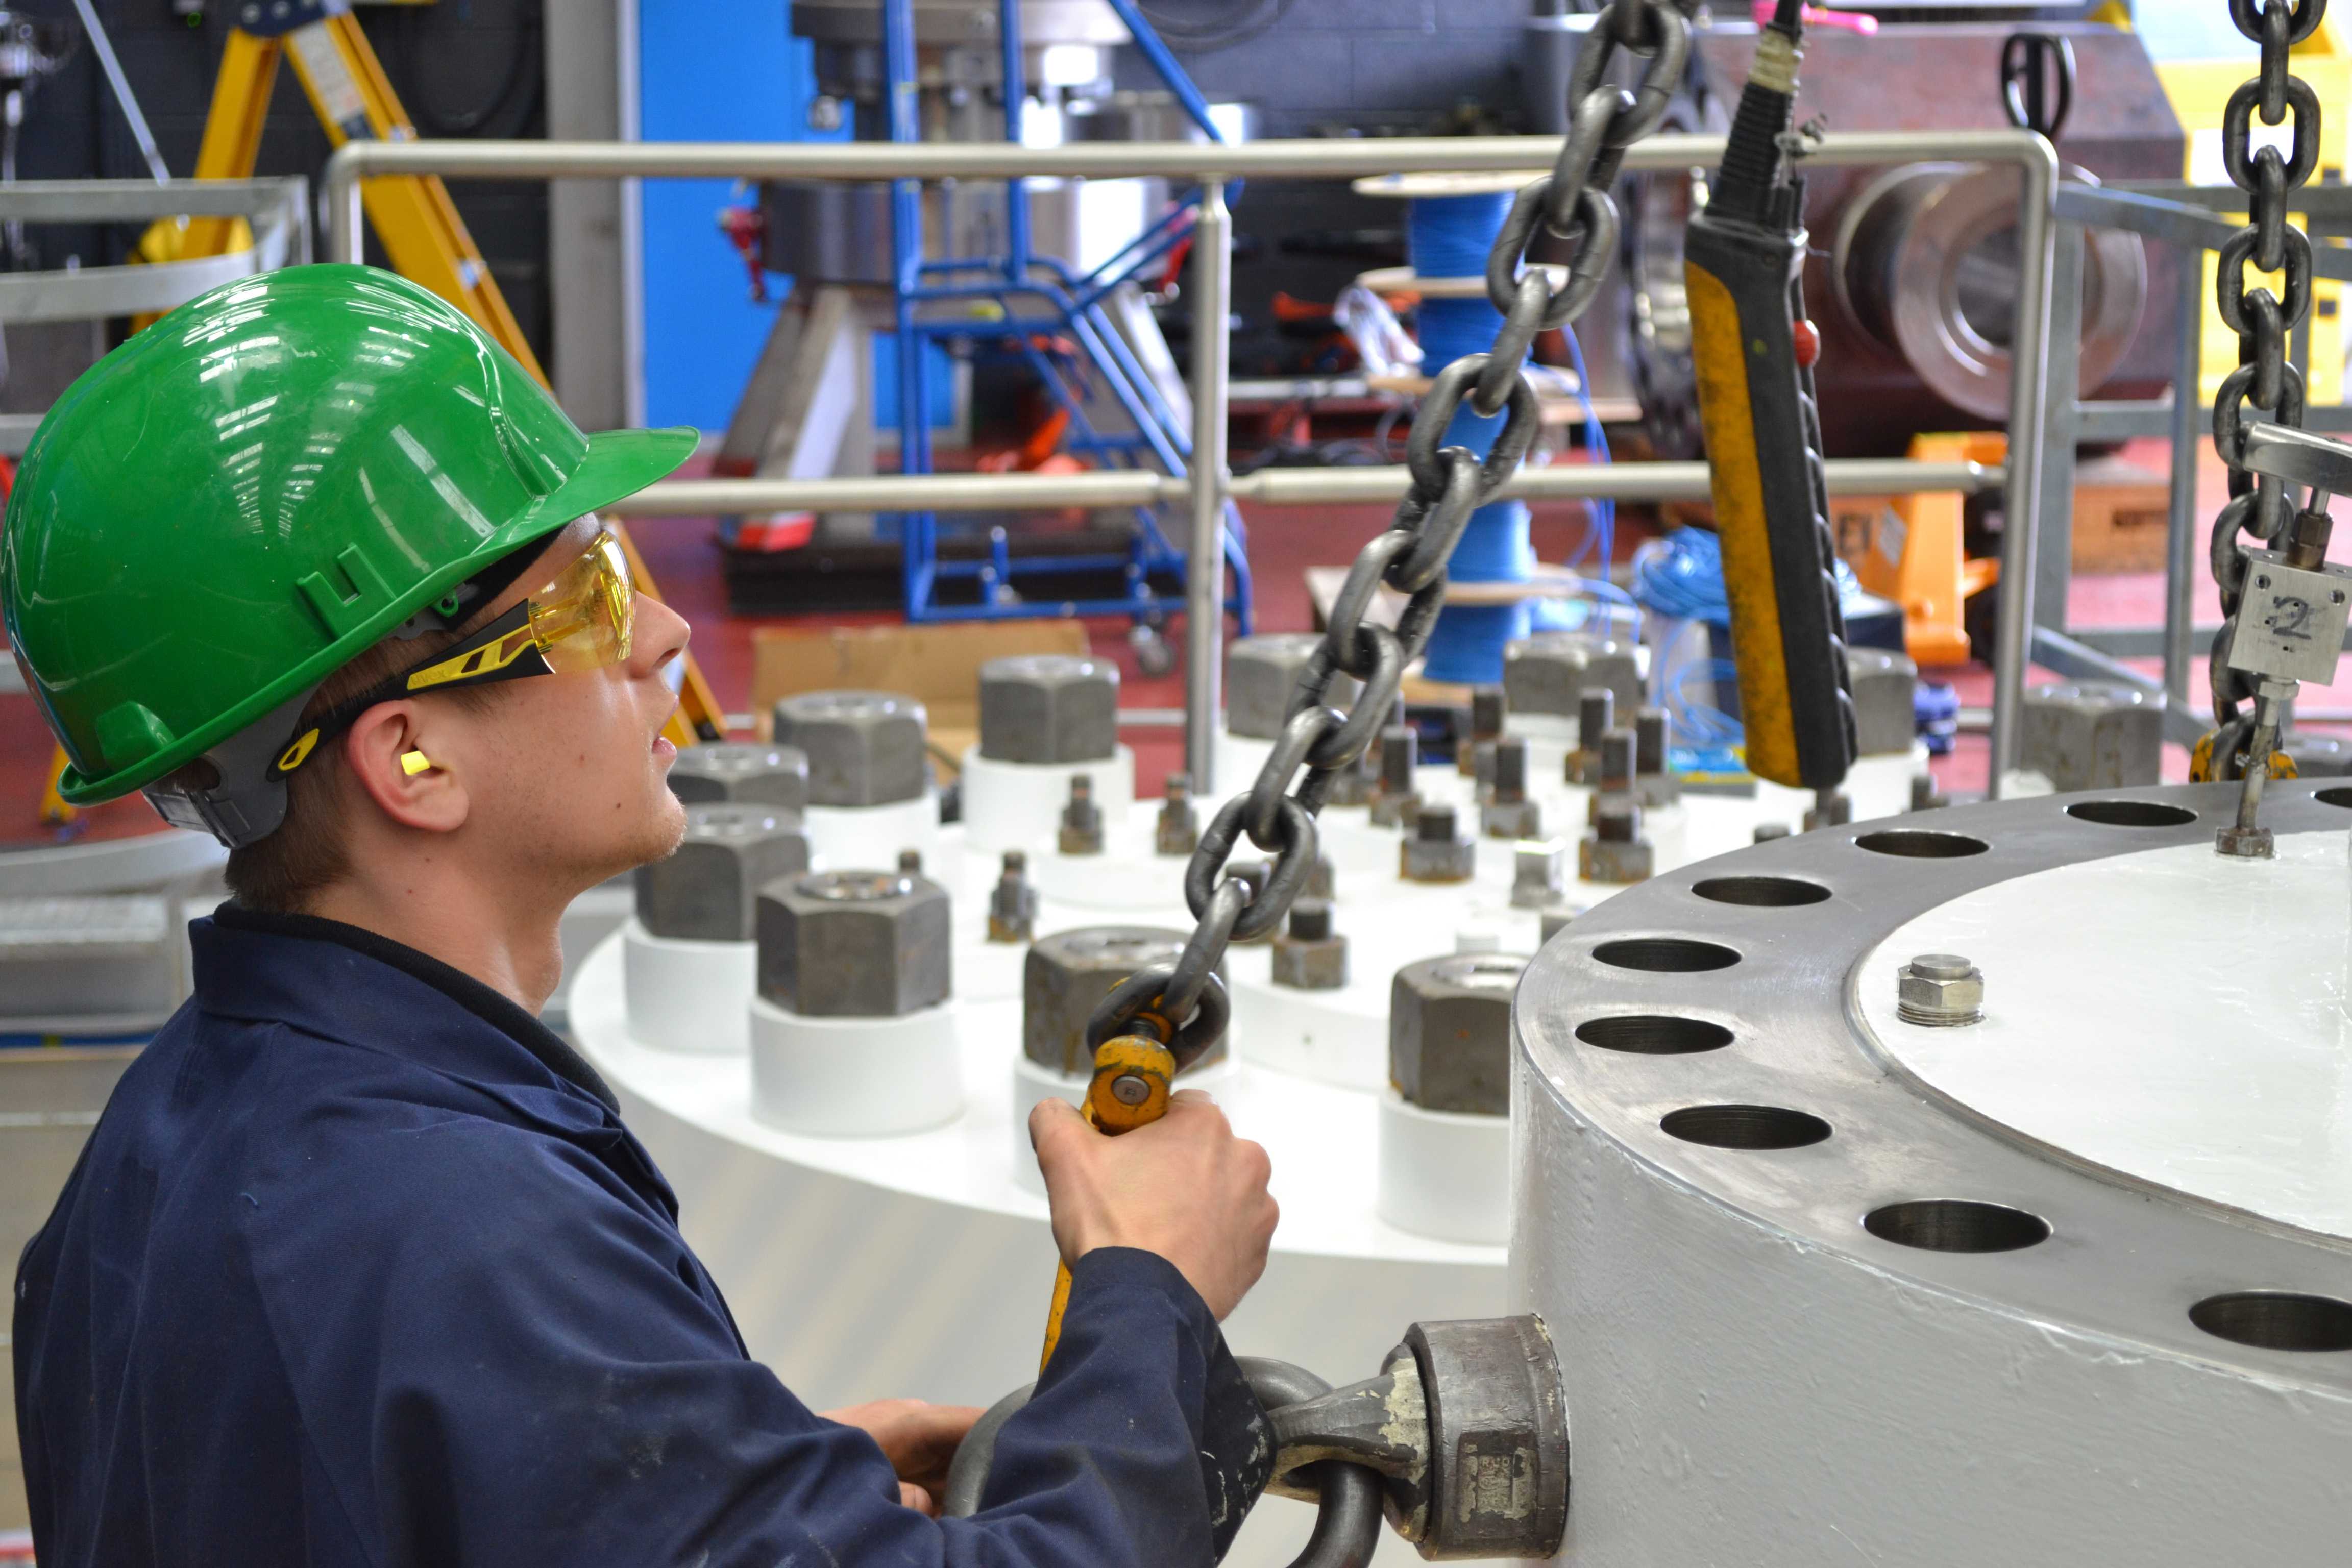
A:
503,1355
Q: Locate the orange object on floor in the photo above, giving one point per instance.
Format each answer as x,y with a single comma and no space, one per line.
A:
1908,548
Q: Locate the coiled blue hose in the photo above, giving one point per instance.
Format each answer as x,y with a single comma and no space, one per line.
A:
1680,578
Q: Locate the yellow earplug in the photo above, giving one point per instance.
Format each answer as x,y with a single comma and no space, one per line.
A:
413,763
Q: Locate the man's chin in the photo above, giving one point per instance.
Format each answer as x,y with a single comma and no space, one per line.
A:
664,828
657,834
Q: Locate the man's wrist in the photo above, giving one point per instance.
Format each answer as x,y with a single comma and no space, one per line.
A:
1112,1267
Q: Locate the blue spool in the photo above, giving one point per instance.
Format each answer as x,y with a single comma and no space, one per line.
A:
1449,236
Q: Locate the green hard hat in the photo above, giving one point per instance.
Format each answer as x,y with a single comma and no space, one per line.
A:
256,489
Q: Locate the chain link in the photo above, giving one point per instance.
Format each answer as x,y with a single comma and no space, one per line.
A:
2264,380
1184,1002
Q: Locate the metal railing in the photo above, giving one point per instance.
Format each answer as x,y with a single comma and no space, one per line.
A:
2184,217
1208,486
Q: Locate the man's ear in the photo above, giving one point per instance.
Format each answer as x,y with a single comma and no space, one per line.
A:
390,754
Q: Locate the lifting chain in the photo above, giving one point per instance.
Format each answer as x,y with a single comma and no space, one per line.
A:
2258,506
1184,1004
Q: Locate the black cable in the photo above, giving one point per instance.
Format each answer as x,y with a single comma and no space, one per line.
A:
1193,37
522,83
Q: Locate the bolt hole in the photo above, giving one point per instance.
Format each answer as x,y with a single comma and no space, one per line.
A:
1665,954
2340,795
1955,1225
2131,813
2277,1320
1761,892
1920,845
1745,1126
1654,1035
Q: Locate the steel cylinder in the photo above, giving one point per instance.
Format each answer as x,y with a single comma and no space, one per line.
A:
1924,260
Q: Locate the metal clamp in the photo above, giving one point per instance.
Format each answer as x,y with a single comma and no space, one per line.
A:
1348,1495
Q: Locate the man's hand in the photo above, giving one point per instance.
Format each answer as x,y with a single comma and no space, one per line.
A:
918,1439
1183,1187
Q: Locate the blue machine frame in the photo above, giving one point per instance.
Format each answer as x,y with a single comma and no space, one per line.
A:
1072,307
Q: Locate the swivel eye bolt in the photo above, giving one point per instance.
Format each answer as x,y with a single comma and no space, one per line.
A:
2289,626
2300,458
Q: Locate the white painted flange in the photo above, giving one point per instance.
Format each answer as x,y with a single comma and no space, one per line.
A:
2162,1049
1129,872
986,971
688,995
1828,1288
1239,758
870,837
1445,1174
855,1077
1018,805
1032,1084
1334,1036
1361,855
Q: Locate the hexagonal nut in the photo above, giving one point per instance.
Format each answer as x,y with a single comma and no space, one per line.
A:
1261,672
1068,972
1450,1032
864,748
1309,955
2093,735
1535,873
1547,673
705,889
1048,708
1516,819
742,771
854,944
1615,861
1882,685
2245,843
1937,999
1423,859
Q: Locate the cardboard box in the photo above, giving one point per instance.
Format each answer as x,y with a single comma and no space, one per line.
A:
2119,521
2119,518
937,665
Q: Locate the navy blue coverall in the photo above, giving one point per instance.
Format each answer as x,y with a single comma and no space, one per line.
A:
360,1267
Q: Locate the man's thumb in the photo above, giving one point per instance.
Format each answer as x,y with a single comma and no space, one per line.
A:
1051,1118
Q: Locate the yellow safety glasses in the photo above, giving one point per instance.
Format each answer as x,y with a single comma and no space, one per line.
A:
580,621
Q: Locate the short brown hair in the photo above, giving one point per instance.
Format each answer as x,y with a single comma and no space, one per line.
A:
284,871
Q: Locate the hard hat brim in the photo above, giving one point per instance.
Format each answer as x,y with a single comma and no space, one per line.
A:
618,463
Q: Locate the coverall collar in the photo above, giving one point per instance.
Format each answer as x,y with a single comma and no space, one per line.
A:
237,976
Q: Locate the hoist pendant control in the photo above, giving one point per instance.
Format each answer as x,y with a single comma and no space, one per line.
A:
1743,259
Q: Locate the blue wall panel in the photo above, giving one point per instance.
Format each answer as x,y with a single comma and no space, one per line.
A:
709,71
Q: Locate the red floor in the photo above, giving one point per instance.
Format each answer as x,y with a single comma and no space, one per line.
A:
1283,543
